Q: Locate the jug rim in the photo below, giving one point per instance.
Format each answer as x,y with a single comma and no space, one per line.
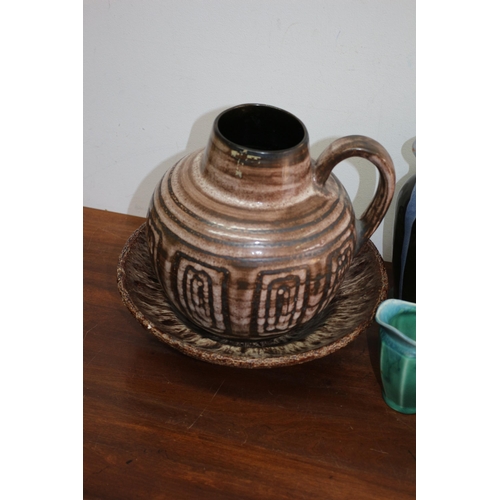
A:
405,306
304,140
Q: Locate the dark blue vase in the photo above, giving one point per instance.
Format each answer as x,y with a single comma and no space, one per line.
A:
404,244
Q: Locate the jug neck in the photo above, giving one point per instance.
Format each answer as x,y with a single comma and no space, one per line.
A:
258,154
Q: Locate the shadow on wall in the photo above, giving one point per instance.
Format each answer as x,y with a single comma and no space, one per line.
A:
198,139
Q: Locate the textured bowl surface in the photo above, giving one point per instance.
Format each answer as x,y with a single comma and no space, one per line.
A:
351,312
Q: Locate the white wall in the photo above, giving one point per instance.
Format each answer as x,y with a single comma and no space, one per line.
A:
157,73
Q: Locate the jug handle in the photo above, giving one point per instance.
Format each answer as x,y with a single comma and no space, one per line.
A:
358,145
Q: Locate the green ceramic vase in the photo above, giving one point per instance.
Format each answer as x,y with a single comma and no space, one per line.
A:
398,342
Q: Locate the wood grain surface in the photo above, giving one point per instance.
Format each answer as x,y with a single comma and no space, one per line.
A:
161,425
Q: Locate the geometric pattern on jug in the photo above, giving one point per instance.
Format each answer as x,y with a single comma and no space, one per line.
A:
337,264
325,284
279,299
200,290
155,241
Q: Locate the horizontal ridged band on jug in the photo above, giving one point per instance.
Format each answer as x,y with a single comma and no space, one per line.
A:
245,241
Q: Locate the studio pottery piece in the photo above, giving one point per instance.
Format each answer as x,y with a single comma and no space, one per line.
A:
398,360
250,238
404,250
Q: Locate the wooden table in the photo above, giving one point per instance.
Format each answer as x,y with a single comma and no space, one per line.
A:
161,425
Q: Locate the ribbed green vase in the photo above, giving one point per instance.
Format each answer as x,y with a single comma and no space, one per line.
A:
397,320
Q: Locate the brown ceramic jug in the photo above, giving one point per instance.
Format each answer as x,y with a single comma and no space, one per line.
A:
250,237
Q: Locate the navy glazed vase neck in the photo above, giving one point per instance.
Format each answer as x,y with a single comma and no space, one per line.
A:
405,241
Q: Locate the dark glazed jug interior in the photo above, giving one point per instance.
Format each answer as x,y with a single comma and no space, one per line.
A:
261,128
